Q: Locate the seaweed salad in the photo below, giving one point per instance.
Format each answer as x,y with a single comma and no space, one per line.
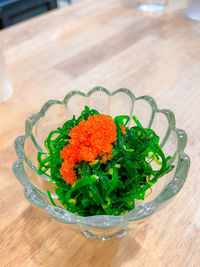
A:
99,166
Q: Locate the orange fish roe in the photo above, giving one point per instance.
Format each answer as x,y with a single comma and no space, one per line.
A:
106,157
89,139
123,129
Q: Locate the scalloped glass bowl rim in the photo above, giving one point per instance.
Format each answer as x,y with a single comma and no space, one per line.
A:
102,220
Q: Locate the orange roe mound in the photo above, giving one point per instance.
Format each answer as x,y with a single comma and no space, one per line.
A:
123,129
89,139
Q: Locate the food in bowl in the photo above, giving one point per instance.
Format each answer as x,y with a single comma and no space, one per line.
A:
100,166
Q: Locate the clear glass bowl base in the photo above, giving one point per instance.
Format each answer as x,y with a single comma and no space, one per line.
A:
104,233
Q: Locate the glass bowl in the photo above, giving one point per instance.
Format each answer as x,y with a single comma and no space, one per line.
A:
120,102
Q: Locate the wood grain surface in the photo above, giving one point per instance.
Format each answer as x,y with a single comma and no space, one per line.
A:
108,43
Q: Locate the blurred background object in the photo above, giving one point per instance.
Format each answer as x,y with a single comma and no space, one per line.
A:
152,5
5,84
193,9
63,3
14,11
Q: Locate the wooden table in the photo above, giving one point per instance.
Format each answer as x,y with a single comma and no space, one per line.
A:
108,43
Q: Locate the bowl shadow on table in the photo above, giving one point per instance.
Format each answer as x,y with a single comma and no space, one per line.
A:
49,241
117,251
